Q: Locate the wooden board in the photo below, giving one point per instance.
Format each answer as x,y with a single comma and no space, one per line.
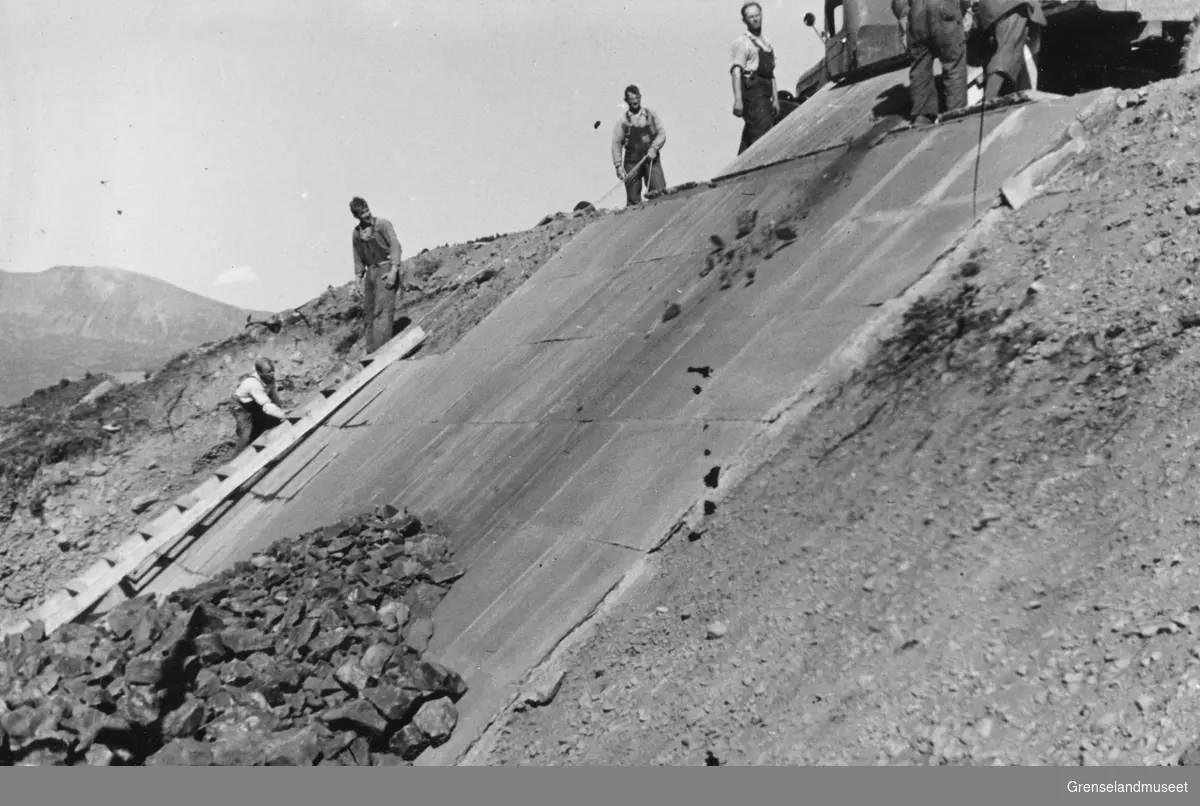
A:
158,537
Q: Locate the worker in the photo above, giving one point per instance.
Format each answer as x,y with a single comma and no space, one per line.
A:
1010,27
256,404
755,98
933,29
377,272
638,138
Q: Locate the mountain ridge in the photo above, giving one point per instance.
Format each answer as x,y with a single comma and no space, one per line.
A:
66,320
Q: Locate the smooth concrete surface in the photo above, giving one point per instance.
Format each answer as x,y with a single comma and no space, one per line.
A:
563,437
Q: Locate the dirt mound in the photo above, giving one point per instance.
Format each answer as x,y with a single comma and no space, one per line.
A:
980,550
310,653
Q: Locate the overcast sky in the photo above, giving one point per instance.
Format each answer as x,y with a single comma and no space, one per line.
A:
216,144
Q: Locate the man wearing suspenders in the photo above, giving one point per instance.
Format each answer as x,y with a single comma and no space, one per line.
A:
377,271
755,98
638,137
256,404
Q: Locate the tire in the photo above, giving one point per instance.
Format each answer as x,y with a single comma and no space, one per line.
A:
1189,55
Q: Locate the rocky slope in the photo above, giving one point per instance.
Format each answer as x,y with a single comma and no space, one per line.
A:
308,654
982,549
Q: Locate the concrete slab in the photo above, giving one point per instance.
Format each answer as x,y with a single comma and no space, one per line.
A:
833,115
563,437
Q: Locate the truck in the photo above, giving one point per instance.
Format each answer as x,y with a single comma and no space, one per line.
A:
1087,44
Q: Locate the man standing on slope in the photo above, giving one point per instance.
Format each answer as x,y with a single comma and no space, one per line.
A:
256,404
755,98
934,29
1009,26
639,133
377,271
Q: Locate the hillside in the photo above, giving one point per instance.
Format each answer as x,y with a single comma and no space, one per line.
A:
77,477
981,550
70,320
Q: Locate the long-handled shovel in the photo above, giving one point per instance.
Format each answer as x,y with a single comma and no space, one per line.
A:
628,175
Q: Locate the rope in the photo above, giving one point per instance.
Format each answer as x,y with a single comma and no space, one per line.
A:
979,150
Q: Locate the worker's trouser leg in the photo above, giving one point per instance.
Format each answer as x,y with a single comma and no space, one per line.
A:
758,111
243,423
651,173
368,302
920,82
251,422
379,307
1007,62
947,44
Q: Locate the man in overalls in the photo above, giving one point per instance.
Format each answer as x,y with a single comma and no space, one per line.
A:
639,133
755,98
935,31
377,271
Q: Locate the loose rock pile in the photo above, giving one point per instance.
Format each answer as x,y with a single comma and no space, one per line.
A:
310,653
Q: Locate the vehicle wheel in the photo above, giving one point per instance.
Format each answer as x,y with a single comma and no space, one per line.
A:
1189,57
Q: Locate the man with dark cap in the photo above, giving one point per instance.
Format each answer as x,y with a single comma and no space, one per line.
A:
755,99
377,271
256,404
933,29
1008,27
638,134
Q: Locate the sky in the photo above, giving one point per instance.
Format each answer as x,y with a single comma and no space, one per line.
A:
216,145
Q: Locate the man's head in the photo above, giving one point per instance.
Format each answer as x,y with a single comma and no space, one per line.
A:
633,98
265,368
752,16
359,209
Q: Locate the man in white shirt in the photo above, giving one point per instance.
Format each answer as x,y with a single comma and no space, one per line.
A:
755,98
256,404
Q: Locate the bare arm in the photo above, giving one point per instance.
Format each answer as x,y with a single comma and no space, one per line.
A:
738,63
259,393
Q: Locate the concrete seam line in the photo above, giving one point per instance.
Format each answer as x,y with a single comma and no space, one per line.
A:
574,637
762,447
833,371
839,367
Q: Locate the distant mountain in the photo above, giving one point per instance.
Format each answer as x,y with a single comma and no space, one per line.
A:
69,320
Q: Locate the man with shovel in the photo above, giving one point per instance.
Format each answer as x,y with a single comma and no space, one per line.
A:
377,271
637,141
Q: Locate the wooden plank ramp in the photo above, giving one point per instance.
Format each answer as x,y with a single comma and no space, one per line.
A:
152,542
